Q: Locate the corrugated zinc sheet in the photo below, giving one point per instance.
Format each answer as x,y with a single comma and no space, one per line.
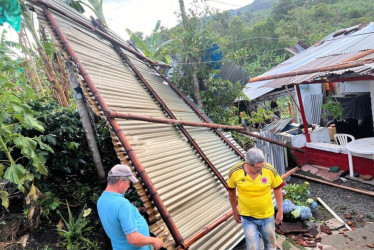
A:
256,89
330,51
189,190
218,153
277,125
232,72
313,112
274,153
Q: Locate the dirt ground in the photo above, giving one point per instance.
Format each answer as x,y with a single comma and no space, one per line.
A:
361,238
342,202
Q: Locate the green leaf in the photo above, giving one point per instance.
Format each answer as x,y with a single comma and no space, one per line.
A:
30,93
51,139
26,144
29,177
15,174
42,145
72,145
54,205
31,122
21,188
2,116
38,162
2,167
4,199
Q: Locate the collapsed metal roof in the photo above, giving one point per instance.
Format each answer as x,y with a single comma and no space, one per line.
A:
337,48
192,195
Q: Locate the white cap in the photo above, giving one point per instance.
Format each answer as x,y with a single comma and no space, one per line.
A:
121,170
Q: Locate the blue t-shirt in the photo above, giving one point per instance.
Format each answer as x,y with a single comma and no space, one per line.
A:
119,217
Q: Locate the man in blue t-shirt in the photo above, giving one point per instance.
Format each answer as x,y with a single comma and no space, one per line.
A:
121,220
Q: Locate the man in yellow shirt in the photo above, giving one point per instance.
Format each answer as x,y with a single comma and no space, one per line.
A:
253,181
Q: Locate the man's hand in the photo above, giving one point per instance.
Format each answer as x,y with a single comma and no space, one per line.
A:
157,244
233,202
279,217
237,217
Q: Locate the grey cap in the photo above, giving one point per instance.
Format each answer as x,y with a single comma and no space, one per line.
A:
121,170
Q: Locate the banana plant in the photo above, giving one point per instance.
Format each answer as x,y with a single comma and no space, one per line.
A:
21,157
152,48
96,6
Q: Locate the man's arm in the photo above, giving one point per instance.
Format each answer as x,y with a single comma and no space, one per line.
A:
140,240
279,199
233,202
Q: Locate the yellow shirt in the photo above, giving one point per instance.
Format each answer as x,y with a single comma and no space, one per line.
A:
254,196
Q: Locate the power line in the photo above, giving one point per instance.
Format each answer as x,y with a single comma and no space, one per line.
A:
229,59
247,39
336,38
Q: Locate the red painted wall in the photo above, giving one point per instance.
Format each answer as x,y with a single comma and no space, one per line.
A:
329,159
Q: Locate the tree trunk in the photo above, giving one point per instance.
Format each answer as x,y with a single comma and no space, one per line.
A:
23,40
183,13
196,87
195,79
86,123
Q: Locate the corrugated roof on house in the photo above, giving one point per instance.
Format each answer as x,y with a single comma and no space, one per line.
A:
334,49
191,193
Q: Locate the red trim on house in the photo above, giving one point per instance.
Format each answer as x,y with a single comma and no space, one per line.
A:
329,159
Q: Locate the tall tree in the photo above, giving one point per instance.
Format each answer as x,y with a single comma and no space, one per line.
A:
193,39
192,59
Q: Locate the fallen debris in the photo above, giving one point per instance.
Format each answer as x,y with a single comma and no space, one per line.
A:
289,227
332,212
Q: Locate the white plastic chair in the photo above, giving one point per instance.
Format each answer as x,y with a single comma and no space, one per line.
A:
342,139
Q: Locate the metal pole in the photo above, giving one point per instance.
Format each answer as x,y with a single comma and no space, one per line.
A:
302,111
114,114
131,116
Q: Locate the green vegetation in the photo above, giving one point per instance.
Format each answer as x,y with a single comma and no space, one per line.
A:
332,110
253,37
45,159
297,193
260,117
23,156
44,155
76,231
286,245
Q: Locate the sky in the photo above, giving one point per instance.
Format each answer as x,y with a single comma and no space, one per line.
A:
142,15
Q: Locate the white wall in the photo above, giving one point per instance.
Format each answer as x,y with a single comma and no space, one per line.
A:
310,89
355,87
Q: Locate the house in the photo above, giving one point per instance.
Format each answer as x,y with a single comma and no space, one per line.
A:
343,60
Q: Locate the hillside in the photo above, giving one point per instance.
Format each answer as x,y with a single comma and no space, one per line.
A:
258,33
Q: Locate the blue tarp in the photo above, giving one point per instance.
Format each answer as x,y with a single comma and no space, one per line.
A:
10,12
213,55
